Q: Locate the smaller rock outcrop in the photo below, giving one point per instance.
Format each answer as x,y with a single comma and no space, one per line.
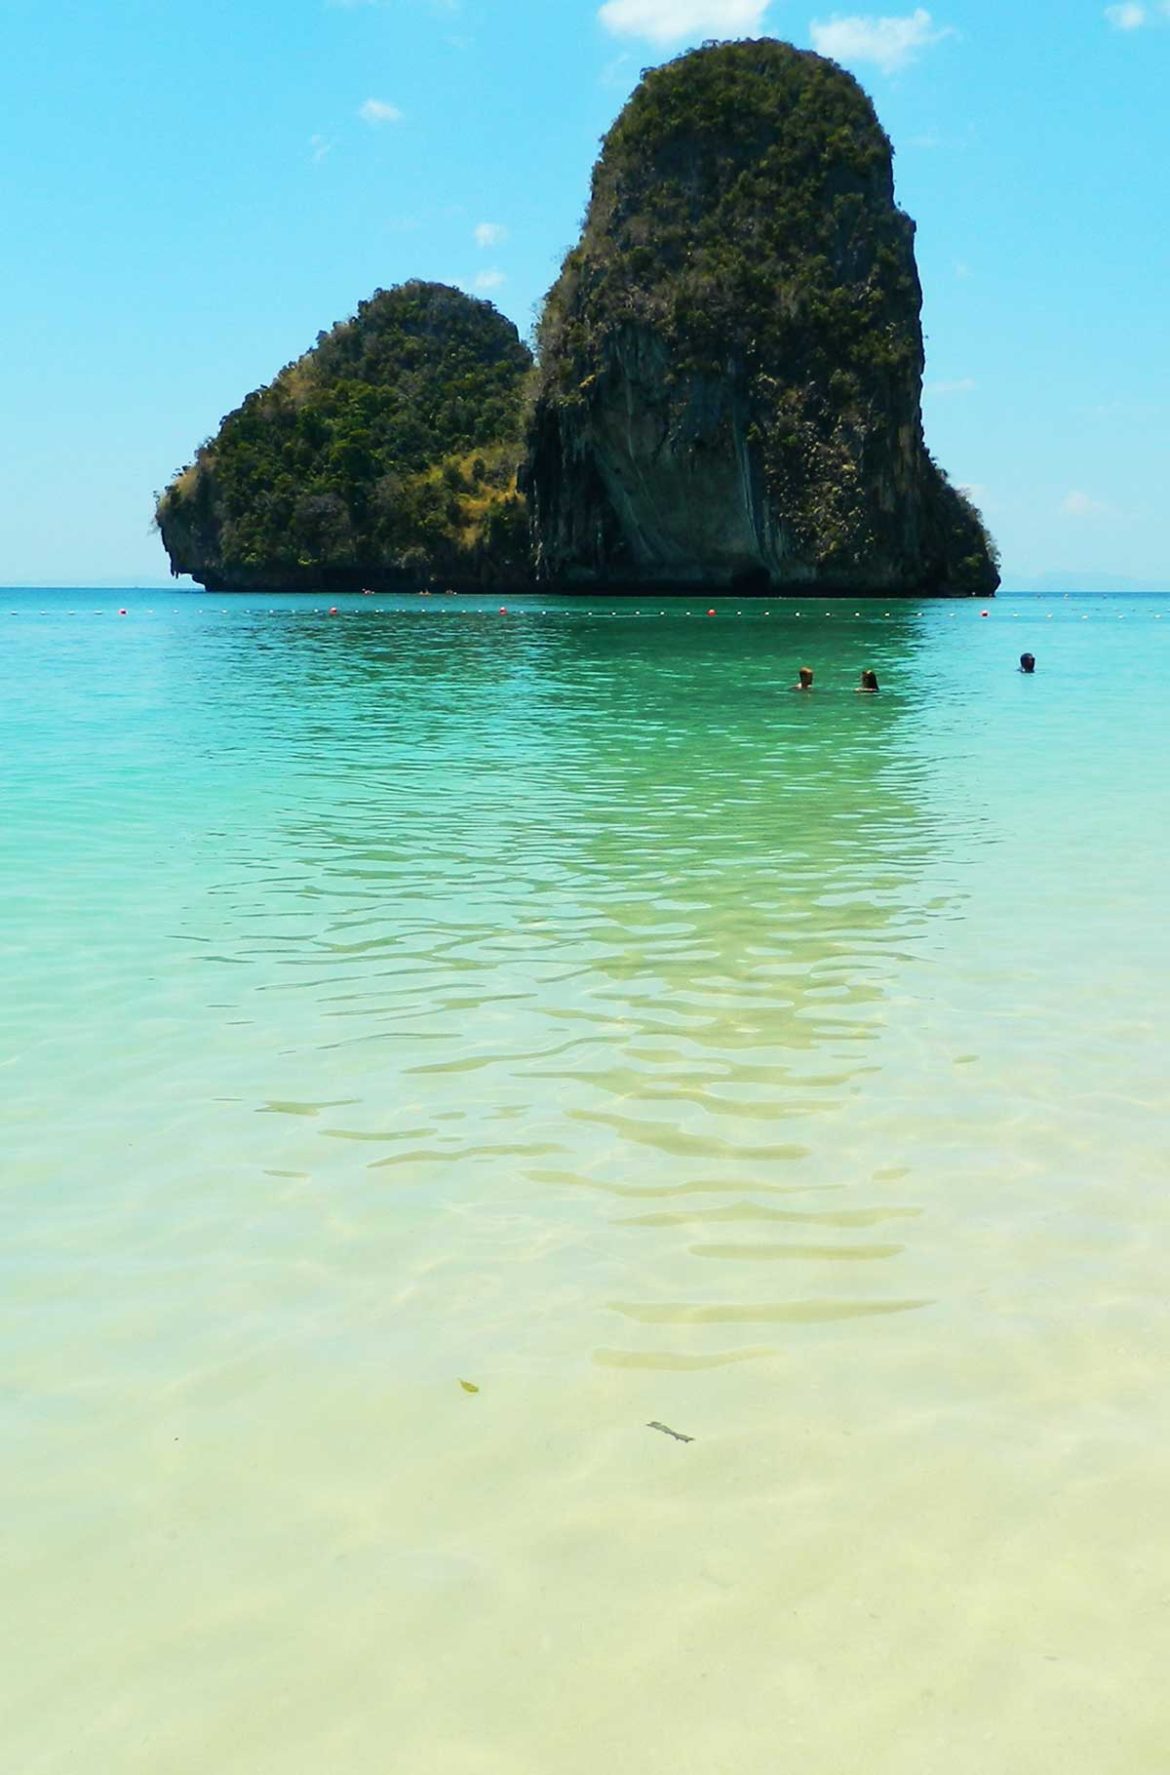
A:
731,360
386,456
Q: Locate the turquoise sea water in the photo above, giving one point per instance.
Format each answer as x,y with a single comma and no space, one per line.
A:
551,1002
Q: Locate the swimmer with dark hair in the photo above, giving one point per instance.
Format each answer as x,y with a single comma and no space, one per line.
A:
804,679
868,683
1027,663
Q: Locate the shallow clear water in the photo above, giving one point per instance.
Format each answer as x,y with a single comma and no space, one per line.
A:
552,1003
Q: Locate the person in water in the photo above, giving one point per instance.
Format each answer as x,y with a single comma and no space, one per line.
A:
1028,663
868,682
804,679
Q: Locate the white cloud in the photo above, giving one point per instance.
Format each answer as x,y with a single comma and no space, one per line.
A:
668,21
963,385
1081,505
490,234
614,73
491,280
320,147
1130,16
889,43
377,112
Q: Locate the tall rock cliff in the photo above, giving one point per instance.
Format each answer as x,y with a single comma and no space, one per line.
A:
731,361
385,456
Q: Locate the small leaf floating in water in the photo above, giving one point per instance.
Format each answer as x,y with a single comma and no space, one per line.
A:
469,1386
667,1431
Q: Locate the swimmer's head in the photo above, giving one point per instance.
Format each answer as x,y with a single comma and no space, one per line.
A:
1027,662
869,680
806,677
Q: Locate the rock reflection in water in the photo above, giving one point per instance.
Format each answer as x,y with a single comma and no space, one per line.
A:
614,910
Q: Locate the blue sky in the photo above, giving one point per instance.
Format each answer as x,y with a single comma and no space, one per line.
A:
190,193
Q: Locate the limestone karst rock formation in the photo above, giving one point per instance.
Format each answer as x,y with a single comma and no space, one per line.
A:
386,456
728,392
731,360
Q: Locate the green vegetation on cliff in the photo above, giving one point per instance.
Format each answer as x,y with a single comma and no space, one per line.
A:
732,193
742,315
387,453
728,394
